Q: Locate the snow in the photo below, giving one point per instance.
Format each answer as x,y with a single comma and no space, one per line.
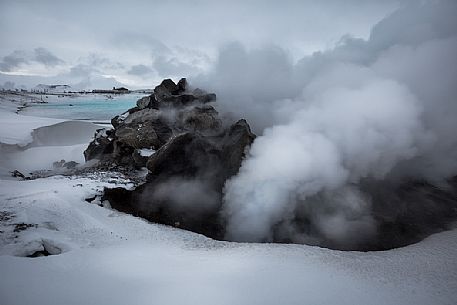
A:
41,158
17,129
146,152
45,144
113,258
106,257
34,143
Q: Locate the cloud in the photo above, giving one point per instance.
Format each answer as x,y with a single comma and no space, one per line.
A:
173,67
13,60
183,38
22,58
139,70
45,57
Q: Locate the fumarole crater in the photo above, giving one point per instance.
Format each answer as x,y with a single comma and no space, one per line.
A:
191,151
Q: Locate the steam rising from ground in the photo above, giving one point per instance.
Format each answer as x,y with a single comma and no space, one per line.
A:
382,109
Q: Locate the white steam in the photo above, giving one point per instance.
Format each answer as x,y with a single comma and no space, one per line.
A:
382,109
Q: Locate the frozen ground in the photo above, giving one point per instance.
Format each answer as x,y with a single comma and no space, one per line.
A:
100,256
29,143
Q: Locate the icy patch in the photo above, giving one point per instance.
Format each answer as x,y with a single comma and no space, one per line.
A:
64,133
40,158
145,152
17,129
47,144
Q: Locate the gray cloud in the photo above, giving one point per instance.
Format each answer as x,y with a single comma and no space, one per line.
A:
180,36
20,58
139,70
45,57
13,60
173,67
82,70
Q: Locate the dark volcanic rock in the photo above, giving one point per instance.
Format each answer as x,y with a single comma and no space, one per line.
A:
190,154
194,157
102,145
170,111
200,118
147,102
185,180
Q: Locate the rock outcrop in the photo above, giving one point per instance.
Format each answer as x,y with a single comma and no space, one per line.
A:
156,119
190,153
178,135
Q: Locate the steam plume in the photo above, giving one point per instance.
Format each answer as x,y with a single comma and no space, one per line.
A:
382,110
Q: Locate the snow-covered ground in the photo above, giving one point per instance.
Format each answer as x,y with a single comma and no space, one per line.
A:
105,257
30,143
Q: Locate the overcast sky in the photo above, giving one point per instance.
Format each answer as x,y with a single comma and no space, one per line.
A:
137,43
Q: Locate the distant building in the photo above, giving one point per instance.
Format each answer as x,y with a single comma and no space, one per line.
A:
120,90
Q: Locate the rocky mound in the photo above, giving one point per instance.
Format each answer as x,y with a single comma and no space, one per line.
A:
189,152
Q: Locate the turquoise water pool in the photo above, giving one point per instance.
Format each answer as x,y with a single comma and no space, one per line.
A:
86,107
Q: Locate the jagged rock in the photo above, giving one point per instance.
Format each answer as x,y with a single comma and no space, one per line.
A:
182,85
102,145
143,129
170,110
188,164
189,157
143,102
166,89
117,120
201,118
147,102
138,136
171,95
234,145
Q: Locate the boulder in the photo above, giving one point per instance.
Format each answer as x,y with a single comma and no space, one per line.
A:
192,156
155,119
235,143
143,135
169,94
101,146
201,118
166,89
186,179
147,102
182,85
143,102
